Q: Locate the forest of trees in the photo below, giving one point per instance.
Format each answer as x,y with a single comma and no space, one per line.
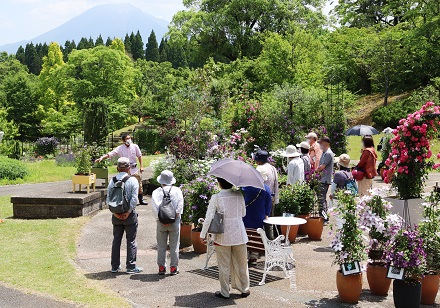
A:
225,65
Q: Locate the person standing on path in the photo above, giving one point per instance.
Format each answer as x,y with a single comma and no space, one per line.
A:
326,169
304,148
295,168
269,174
367,163
132,152
231,244
315,150
167,231
126,222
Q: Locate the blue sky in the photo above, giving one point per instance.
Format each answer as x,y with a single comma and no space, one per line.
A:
26,19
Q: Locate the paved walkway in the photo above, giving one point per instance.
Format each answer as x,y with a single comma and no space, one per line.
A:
312,282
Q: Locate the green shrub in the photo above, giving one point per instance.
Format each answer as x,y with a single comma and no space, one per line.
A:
389,116
149,140
12,169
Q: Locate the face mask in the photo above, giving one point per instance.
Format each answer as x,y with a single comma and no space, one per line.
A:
128,142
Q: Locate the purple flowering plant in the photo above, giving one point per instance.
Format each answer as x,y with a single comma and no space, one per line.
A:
376,219
406,250
46,146
197,194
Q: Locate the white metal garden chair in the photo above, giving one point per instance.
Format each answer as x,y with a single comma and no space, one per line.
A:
276,254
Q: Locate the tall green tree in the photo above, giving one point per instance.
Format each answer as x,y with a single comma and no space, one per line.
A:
68,47
20,55
99,41
127,44
163,50
32,59
108,42
152,51
137,47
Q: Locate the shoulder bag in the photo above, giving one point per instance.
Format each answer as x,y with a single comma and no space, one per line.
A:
217,222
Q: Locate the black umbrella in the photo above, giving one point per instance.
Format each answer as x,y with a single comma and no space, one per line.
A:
362,130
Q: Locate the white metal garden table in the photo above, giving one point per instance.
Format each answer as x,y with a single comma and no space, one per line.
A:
285,221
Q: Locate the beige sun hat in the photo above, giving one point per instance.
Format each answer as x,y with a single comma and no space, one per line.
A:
343,160
303,145
291,151
312,135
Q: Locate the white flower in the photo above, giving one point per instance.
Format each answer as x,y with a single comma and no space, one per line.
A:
338,247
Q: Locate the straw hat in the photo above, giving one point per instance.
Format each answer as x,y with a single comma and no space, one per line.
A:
166,178
343,160
291,151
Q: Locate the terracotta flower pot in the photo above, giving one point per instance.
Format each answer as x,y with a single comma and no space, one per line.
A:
406,294
315,225
430,285
185,235
302,230
349,287
197,242
292,233
377,279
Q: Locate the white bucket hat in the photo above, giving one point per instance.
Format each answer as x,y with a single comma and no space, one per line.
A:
166,178
291,151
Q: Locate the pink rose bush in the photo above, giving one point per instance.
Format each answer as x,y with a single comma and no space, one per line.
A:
408,163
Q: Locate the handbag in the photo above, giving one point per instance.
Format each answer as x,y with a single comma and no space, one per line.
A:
358,174
217,223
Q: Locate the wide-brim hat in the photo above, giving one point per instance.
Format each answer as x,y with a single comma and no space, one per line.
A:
166,178
343,160
303,145
291,151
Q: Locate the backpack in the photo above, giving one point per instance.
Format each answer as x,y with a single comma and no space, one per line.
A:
167,212
351,186
118,202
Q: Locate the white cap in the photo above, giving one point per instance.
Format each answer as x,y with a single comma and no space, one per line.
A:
312,135
303,145
123,162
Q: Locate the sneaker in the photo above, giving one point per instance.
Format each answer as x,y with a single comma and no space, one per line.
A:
162,270
134,270
116,270
174,270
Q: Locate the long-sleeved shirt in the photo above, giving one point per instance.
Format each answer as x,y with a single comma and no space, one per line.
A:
131,189
132,152
176,197
295,171
231,204
258,206
368,162
271,180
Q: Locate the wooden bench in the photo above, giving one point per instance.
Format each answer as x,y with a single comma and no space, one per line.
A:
255,243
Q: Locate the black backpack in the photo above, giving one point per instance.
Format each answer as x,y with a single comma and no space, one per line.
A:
167,212
118,202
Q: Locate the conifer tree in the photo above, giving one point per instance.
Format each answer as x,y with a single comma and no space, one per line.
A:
152,51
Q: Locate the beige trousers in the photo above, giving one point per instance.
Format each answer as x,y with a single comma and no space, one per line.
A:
138,177
364,185
232,262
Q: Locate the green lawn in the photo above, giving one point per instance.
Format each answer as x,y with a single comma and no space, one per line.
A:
48,171
38,255
355,145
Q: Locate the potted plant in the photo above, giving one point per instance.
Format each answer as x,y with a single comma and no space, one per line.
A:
289,206
409,160
315,222
405,251
83,176
349,248
197,195
100,169
381,225
186,225
430,233
305,197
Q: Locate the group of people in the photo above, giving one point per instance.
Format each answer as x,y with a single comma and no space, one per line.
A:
243,209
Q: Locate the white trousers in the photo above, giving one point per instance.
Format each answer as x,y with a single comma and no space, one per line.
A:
232,263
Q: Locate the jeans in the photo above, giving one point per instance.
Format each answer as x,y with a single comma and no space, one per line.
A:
163,234
323,190
130,226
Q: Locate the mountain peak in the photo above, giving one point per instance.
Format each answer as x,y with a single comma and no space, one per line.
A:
108,20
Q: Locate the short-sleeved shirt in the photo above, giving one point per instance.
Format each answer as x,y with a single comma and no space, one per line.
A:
131,152
327,161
